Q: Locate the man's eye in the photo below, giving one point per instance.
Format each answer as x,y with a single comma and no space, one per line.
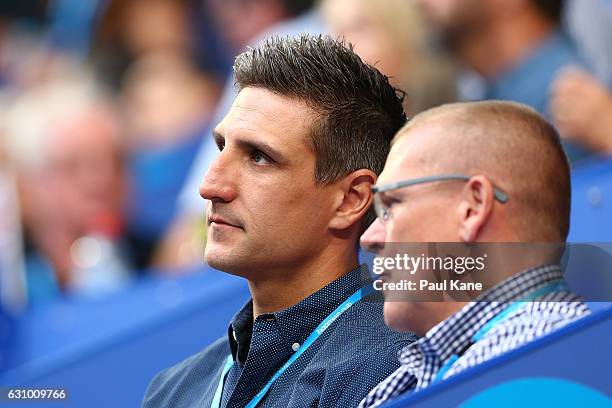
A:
260,158
389,201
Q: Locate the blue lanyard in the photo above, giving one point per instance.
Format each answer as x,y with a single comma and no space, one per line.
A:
216,402
354,298
553,287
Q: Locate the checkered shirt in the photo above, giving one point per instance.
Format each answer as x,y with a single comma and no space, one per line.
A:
421,360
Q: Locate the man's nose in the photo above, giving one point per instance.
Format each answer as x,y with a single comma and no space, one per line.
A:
373,240
219,181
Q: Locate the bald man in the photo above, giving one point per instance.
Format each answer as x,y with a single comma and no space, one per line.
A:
474,173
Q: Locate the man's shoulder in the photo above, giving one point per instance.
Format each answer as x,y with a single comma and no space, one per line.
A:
198,369
214,354
359,353
530,322
533,320
538,318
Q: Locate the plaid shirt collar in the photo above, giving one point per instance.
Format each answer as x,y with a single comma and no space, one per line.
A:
421,361
424,358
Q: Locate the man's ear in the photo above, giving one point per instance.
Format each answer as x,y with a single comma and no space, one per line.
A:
475,208
354,199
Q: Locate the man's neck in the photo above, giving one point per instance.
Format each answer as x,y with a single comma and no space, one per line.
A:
286,288
501,45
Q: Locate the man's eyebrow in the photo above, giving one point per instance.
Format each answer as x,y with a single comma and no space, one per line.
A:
244,144
261,146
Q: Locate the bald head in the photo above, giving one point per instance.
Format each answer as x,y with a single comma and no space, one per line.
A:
509,143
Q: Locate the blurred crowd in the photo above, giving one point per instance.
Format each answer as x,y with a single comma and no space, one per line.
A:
106,109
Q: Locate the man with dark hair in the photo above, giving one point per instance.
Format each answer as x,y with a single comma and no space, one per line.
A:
517,47
242,23
288,195
487,178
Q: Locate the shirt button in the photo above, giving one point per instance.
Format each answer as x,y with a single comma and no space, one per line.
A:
295,346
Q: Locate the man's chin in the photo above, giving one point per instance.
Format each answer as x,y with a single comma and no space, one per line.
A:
216,260
225,261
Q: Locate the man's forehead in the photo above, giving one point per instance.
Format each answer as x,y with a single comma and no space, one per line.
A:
260,113
410,153
395,168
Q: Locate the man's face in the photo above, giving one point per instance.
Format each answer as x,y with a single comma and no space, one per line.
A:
84,171
419,214
265,211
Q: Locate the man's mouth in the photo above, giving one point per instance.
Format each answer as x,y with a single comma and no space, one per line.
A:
218,220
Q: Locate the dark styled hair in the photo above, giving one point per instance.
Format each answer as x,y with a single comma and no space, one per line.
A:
359,111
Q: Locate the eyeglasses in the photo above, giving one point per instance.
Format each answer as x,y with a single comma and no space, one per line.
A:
383,208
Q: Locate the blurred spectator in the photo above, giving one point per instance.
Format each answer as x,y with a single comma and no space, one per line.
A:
516,46
12,274
132,28
62,137
239,20
589,22
21,12
25,61
19,20
167,104
392,36
581,108
581,104
165,99
71,23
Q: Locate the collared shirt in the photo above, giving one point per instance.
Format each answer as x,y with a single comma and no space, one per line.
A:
421,361
353,355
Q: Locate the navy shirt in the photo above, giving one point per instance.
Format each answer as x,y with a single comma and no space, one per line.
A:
351,357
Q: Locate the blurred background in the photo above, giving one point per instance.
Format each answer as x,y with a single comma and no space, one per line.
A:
106,110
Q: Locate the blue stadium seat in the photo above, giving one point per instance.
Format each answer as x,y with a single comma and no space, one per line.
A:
106,352
591,217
